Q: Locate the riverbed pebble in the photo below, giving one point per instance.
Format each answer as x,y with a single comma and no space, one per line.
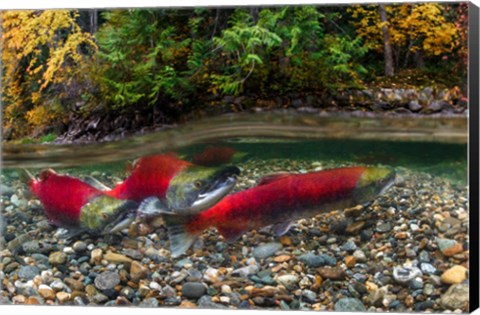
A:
406,251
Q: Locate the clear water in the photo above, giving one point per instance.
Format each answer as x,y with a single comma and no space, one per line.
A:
434,145
430,154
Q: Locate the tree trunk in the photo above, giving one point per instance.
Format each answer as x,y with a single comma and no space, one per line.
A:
93,21
386,42
254,12
419,63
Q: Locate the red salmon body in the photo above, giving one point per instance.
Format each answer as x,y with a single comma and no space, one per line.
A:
213,156
150,176
279,199
62,196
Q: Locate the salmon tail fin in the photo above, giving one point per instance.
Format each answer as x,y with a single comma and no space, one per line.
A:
180,238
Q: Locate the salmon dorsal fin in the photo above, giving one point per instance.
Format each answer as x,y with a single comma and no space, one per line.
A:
267,179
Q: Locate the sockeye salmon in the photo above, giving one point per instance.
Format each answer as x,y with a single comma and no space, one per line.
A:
217,155
183,186
77,206
278,200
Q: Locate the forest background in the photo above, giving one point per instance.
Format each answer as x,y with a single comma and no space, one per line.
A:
162,66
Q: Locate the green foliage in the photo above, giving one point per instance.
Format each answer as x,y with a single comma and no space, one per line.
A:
242,47
182,58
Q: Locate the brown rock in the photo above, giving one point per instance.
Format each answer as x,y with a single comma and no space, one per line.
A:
187,304
137,271
409,301
117,258
19,299
350,261
266,291
96,256
453,250
74,284
286,241
32,301
90,290
454,275
282,258
355,227
46,292
57,258
456,297
402,235
63,297
333,273
353,212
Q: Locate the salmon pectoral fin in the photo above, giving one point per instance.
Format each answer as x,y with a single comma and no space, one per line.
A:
282,228
69,233
152,207
267,179
180,238
230,234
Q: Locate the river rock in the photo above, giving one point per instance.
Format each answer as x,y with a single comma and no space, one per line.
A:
288,281
212,275
96,256
266,250
31,247
349,305
137,271
333,273
428,268
107,280
437,106
6,190
79,246
404,274
359,256
63,297
312,260
28,272
46,292
57,258
149,302
414,106
117,258
246,271
456,297
193,290
384,227
454,275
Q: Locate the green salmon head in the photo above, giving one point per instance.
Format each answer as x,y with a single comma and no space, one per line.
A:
105,214
198,188
373,182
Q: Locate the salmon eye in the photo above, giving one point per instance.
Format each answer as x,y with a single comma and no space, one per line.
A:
198,183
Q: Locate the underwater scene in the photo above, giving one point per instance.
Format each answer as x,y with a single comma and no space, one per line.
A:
297,157
280,212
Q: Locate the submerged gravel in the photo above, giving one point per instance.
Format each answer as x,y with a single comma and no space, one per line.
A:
406,251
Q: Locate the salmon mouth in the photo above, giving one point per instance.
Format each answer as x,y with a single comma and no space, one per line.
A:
222,183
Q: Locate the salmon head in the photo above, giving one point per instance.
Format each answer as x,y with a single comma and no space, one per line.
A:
198,188
105,214
373,182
